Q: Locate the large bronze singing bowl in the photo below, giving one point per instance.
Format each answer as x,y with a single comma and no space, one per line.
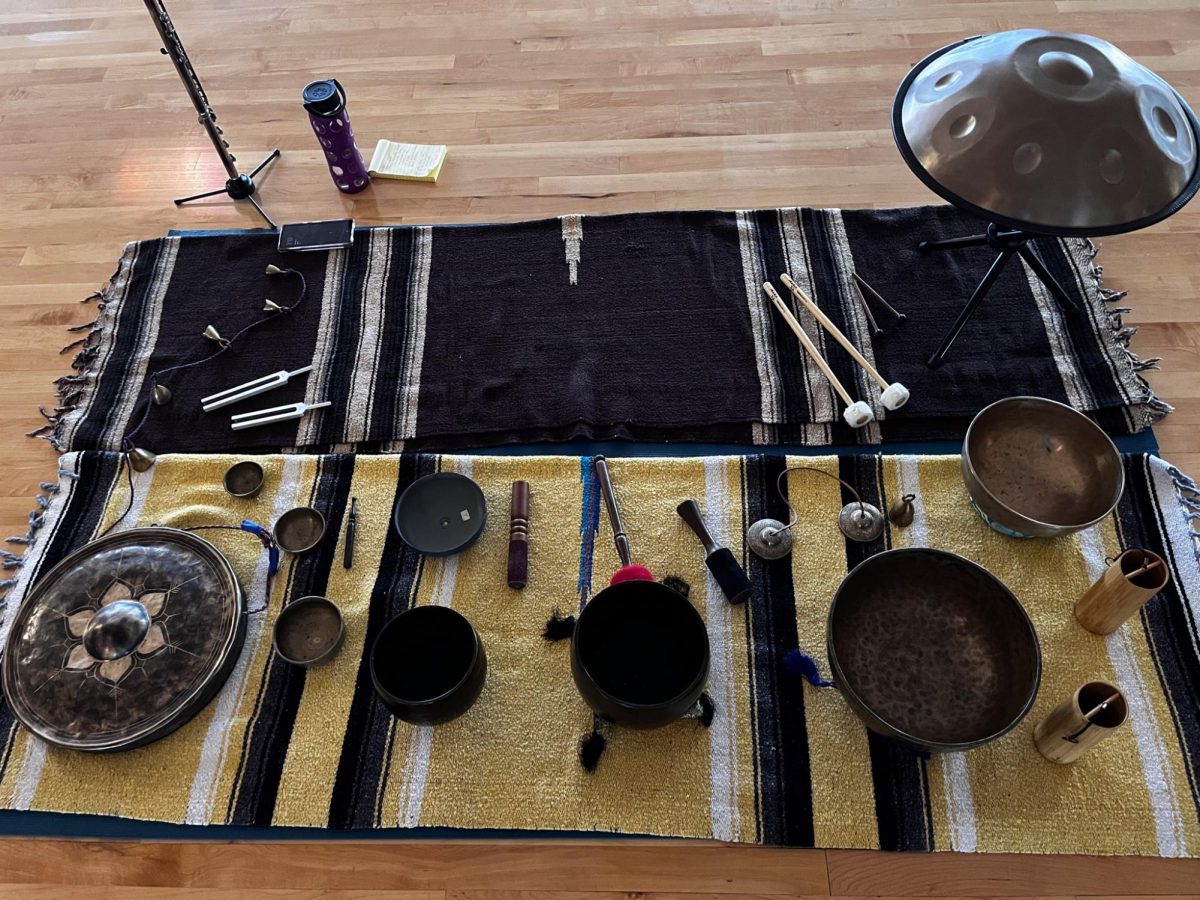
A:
932,650
1038,468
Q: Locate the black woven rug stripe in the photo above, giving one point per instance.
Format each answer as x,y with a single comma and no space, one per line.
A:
647,326
261,765
365,756
1169,622
782,767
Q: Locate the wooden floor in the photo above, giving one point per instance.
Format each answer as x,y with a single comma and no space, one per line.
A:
549,107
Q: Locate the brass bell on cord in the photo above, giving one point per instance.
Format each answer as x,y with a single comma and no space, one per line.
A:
140,460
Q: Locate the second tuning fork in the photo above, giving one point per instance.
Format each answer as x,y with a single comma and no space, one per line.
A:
893,395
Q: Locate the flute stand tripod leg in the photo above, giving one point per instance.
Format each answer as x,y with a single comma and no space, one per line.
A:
240,188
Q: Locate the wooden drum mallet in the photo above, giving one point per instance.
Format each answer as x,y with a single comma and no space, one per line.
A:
1080,722
894,395
1126,585
857,413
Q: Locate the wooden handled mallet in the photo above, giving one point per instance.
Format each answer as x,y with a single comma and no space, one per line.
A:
858,412
893,395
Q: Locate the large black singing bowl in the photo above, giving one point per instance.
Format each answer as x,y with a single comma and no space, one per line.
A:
932,650
640,654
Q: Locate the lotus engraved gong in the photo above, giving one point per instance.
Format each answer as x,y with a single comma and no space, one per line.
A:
124,640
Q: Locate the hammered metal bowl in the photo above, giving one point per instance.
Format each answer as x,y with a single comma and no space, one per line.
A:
932,650
1038,468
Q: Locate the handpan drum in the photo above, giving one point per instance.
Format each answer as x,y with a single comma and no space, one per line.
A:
124,640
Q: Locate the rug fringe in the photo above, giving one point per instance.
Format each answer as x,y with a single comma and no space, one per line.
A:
1152,409
1188,494
69,389
10,561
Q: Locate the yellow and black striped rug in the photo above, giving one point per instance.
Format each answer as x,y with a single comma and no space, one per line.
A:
781,763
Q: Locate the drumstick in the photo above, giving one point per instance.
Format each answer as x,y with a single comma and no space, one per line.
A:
894,395
806,341
831,328
857,414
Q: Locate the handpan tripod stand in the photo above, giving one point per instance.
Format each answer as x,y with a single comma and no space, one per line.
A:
1008,243
1043,134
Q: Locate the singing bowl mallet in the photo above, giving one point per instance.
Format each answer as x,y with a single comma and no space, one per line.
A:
857,412
720,560
629,571
894,395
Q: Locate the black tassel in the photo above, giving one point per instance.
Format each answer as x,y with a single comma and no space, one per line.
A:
708,709
558,627
677,584
591,748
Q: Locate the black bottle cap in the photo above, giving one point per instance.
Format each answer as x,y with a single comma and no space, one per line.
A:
324,98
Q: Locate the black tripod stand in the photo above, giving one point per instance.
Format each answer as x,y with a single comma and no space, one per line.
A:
1006,244
239,185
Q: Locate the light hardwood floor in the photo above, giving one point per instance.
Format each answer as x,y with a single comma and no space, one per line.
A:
549,106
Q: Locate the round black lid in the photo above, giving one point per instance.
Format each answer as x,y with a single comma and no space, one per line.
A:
323,98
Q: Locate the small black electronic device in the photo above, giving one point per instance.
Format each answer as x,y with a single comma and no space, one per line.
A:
316,235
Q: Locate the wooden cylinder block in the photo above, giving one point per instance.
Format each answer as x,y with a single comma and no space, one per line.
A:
1132,579
1080,722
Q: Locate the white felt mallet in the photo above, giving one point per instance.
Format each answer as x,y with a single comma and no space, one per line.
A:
894,395
857,413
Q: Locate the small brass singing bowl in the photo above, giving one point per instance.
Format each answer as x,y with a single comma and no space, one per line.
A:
245,479
1038,468
299,529
309,631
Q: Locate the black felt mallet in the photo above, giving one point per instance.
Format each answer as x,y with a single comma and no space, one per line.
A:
720,560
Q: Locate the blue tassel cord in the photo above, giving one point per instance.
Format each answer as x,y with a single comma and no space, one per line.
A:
797,662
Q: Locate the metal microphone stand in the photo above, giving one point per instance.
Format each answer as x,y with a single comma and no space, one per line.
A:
239,185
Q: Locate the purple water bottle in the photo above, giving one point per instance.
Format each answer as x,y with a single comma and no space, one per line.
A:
326,105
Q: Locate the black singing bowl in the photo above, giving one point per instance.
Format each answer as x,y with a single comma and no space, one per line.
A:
428,665
932,650
639,654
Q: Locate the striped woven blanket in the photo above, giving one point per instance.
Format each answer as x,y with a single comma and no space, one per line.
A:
782,762
648,326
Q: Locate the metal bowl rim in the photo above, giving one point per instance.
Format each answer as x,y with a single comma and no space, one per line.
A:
320,516
843,684
201,695
433,476
699,681
476,649
262,479
309,600
1057,526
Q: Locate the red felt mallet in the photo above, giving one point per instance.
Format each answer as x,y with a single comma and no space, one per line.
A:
628,571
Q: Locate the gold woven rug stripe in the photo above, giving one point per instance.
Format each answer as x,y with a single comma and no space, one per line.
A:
782,762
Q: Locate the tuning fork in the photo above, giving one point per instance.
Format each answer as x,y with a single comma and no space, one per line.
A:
893,395
258,417
250,389
858,412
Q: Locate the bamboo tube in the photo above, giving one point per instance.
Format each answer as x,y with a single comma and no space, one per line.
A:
1133,578
1080,722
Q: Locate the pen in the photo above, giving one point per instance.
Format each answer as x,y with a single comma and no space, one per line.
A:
351,528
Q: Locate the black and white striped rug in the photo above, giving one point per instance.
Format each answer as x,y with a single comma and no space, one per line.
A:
649,326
